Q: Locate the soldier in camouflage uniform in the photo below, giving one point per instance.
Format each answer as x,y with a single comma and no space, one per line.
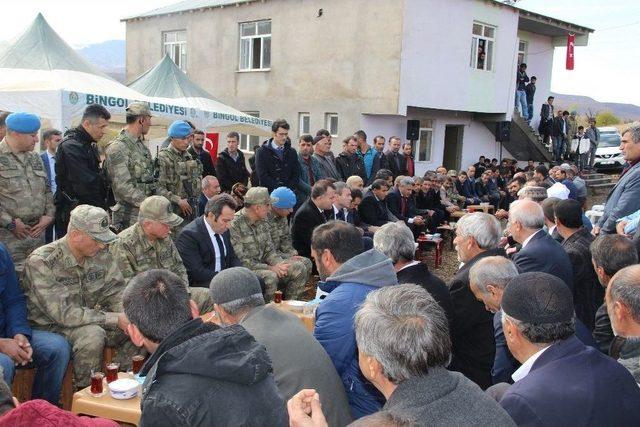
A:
130,167
26,202
74,288
251,239
179,174
281,208
145,246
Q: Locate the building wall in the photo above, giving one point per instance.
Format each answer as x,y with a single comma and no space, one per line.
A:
436,48
346,61
539,59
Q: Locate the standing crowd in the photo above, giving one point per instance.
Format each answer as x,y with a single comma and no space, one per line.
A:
177,258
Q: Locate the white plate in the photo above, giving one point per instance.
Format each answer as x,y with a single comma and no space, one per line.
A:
296,305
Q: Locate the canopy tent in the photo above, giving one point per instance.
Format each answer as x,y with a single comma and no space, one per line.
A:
169,84
42,74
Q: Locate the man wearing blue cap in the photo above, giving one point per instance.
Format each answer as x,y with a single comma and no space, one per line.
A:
26,202
278,222
179,173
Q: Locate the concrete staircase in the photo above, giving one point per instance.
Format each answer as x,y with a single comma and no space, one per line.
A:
525,142
599,183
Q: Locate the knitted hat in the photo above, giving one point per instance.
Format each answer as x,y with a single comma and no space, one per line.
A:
538,298
233,284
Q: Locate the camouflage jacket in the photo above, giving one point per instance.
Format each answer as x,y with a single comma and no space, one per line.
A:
280,235
252,242
134,254
24,189
63,293
179,175
130,169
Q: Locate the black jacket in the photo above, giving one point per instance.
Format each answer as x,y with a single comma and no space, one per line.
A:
199,257
419,274
205,375
255,181
472,338
373,211
78,171
349,165
588,294
205,159
531,91
274,172
397,167
430,200
544,254
379,162
231,171
304,221
557,128
394,203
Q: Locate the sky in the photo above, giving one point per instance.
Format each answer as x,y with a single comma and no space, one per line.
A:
605,70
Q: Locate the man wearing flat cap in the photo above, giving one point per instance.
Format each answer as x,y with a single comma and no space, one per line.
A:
251,239
561,381
146,246
74,287
179,174
130,166
26,202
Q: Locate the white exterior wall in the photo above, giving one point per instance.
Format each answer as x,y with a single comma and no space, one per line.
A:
539,60
436,47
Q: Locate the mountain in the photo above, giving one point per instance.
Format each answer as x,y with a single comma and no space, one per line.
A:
586,105
108,56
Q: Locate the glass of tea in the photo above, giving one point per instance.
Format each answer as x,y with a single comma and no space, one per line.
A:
112,371
136,363
96,383
277,297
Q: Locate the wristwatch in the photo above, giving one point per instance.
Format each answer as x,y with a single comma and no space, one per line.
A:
12,225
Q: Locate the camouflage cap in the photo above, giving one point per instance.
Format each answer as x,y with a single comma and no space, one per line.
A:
94,221
139,109
258,196
158,208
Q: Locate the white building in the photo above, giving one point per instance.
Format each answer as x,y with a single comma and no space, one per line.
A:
346,65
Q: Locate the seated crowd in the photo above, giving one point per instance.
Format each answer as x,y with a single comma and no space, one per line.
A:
540,324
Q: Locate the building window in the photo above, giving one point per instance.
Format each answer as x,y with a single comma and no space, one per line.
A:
522,52
304,123
331,123
255,45
422,150
247,142
175,45
482,46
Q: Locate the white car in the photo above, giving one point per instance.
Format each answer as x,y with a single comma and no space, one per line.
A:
608,154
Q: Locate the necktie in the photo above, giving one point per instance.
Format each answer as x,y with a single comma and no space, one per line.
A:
340,215
223,255
403,206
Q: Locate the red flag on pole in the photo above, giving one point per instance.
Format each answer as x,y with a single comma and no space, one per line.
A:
570,54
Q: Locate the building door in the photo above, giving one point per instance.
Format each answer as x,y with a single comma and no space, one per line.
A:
452,155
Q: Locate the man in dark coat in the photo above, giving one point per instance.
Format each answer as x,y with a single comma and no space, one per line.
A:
276,161
348,163
373,209
546,120
477,236
310,215
402,205
198,152
193,376
395,159
231,167
561,381
588,294
540,252
204,244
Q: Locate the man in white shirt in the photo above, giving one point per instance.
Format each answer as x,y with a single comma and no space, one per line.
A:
342,203
51,139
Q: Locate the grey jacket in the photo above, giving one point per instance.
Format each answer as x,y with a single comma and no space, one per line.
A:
327,165
630,356
624,199
444,398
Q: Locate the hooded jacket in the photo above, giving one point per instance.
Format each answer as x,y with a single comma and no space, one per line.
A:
204,375
348,286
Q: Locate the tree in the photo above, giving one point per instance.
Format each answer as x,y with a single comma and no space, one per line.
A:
606,118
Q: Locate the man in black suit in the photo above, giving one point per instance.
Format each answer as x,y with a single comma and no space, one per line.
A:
402,204
204,244
540,252
395,159
395,240
310,215
477,237
373,209
546,120
558,132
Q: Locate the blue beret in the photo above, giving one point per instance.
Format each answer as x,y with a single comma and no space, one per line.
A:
285,198
180,129
23,122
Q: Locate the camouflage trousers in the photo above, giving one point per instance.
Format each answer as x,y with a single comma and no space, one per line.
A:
292,285
20,249
202,298
87,346
124,216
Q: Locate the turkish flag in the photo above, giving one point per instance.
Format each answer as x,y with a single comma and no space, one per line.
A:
571,39
211,145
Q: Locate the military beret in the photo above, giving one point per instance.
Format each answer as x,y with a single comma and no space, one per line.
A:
23,122
179,129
